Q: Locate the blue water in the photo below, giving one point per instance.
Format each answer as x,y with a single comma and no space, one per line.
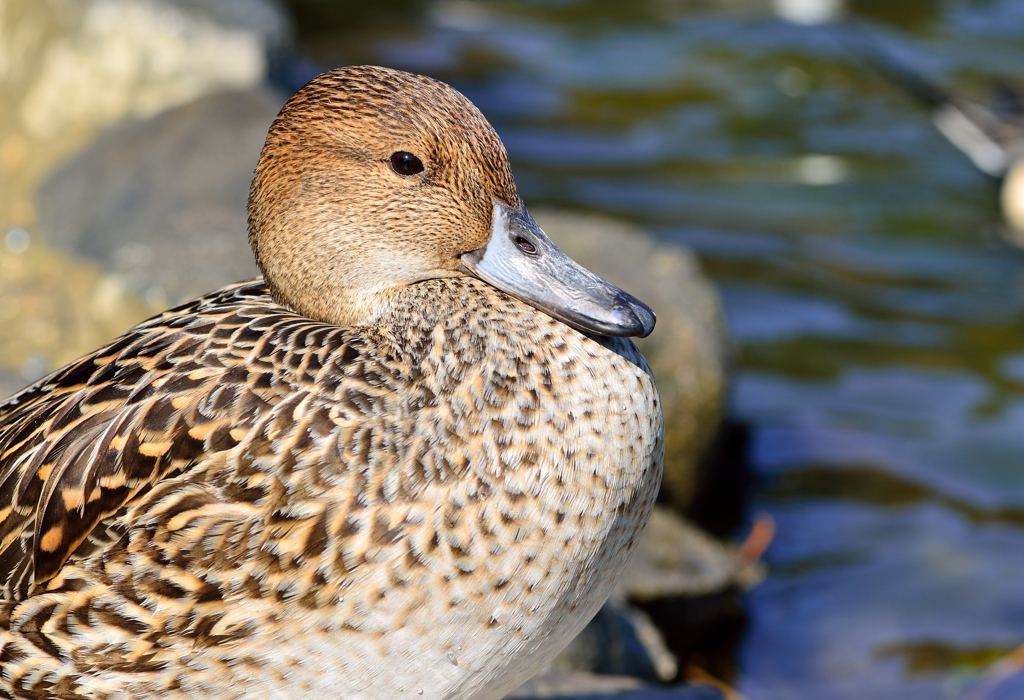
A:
875,307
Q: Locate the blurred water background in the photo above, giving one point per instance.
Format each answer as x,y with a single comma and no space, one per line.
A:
875,307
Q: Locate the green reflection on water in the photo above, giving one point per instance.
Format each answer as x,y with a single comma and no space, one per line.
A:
877,486
936,656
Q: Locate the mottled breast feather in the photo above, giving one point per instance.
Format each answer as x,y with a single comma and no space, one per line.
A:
170,498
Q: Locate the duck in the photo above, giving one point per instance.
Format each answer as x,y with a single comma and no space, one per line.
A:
991,138
409,460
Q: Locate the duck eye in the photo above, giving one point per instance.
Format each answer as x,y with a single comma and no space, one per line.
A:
406,163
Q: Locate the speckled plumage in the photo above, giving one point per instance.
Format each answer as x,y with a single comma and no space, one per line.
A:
233,500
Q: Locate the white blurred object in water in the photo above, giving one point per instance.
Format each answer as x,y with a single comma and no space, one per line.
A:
808,11
966,133
1012,197
817,169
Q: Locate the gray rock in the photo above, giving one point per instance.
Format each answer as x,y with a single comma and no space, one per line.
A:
114,59
676,559
689,348
583,686
71,69
161,202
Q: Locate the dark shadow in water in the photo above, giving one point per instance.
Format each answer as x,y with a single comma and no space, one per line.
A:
704,631
805,565
906,14
726,482
869,484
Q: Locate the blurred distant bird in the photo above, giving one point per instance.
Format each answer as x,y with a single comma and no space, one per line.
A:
991,136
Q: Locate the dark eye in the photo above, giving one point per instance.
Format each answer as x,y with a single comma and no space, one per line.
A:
406,163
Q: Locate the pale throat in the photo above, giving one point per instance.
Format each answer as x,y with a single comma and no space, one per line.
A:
362,307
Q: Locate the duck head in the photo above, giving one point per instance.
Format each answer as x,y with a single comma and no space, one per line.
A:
373,179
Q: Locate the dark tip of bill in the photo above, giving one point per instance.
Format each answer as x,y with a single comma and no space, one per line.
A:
646,318
641,312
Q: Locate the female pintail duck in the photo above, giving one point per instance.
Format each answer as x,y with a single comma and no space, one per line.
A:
411,461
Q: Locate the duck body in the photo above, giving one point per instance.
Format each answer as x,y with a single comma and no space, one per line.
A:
431,507
411,460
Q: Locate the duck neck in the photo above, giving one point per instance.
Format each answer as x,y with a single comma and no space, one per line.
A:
466,303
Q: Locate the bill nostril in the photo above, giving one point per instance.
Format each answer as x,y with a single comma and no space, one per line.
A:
525,246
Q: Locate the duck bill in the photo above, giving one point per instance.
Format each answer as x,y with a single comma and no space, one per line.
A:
520,259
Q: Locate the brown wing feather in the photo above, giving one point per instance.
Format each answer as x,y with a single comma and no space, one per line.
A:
81,444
